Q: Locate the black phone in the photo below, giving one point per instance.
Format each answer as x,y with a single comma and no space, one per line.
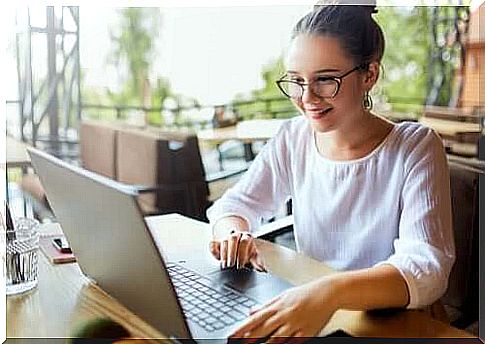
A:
61,245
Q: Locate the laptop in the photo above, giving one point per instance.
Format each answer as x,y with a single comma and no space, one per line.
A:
116,249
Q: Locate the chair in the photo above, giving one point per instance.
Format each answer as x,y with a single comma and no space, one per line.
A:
98,147
461,296
167,169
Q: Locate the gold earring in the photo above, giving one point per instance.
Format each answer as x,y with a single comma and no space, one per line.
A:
367,101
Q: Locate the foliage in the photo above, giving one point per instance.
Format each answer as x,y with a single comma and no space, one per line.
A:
133,46
132,53
281,108
405,62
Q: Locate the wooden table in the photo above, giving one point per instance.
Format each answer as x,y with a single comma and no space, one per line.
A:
64,297
17,156
450,131
247,132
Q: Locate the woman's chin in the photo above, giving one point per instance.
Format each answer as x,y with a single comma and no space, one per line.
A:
320,125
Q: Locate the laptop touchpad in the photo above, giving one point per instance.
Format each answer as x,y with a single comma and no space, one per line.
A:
241,280
259,285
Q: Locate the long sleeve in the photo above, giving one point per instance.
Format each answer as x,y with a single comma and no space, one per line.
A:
262,189
424,251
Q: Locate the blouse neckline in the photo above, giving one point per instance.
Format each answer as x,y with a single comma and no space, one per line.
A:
374,152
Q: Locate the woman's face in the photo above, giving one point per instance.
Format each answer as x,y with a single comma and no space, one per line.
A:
312,57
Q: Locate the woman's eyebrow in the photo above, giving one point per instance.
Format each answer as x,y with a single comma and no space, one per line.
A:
327,70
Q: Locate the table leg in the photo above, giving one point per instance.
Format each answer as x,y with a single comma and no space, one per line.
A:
218,147
248,152
7,193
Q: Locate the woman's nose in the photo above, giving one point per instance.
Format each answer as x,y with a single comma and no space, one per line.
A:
308,95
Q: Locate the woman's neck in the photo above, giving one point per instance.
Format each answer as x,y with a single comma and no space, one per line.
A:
353,140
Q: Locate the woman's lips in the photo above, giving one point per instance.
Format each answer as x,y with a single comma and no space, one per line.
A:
317,113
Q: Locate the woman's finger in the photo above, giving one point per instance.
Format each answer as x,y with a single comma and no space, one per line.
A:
253,322
223,256
245,244
266,305
257,262
232,249
215,249
268,327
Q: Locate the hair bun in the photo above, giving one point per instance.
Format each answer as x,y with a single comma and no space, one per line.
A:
366,6
370,9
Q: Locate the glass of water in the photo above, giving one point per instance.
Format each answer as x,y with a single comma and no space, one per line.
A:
22,246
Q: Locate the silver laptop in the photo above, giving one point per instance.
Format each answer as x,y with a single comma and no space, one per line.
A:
115,248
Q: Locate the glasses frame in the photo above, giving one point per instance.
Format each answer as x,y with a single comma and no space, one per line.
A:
337,79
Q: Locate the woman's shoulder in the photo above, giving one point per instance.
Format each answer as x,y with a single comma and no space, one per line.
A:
412,135
291,128
415,141
414,131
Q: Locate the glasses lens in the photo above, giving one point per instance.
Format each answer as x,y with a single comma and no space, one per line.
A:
325,88
321,88
290,89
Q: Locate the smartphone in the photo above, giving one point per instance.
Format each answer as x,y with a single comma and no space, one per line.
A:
61,245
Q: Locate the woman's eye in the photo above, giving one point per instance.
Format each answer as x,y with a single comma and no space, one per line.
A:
324,79
296,79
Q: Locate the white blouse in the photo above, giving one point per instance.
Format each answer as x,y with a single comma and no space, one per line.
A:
392,206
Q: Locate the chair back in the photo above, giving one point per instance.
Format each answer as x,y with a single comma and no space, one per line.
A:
169,162
98,147
462,292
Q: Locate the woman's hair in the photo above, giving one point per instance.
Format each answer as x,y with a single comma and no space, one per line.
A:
352,25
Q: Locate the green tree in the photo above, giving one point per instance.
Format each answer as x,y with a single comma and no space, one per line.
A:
270,73
133,47
405,61
133,52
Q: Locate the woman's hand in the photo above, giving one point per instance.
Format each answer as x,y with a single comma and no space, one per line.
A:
299,312
237,250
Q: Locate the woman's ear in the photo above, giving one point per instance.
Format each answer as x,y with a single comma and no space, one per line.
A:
371,75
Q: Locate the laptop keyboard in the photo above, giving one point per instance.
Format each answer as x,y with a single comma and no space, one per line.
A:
211,308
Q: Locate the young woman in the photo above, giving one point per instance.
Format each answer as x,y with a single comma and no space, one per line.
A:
370,198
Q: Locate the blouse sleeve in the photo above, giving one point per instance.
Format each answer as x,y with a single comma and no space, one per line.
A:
424,251
262,189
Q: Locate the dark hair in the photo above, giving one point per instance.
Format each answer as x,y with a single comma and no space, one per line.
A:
352,25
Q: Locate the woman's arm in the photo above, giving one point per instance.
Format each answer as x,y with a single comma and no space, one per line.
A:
378,287
262,189
424,251
259,193
303,311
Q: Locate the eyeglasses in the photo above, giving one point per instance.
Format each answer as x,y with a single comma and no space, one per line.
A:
322,87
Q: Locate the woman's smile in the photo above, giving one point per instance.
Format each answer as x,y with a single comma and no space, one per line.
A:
317,113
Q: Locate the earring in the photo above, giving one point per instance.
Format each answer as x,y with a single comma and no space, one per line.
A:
367,101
